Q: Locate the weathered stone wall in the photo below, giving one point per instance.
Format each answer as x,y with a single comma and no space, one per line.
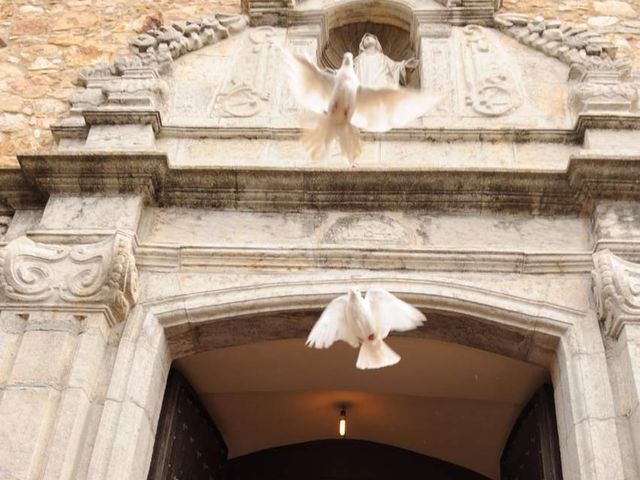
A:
44,44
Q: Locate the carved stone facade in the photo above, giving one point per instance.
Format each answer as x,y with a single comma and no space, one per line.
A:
178,214
99,275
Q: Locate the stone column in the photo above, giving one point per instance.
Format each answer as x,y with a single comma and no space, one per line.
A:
617,292
65,294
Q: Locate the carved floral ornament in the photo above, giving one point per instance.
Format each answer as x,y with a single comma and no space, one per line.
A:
99,275
616,287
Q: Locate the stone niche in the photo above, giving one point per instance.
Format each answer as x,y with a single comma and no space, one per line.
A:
395,42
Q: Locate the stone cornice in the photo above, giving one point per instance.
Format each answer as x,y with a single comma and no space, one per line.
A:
589,177
73,277
173,258
616,287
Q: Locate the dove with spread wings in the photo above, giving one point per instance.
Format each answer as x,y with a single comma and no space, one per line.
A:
338,106
365,323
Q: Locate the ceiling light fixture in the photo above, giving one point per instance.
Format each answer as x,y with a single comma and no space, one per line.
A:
342,424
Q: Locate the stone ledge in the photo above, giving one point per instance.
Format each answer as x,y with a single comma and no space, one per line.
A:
95,172
589,177
169,258
599,176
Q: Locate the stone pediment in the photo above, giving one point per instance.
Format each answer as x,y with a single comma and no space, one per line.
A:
506,71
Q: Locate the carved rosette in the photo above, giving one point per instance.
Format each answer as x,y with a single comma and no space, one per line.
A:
616,288
87,276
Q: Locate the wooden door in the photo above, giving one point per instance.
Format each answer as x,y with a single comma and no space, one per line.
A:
188,445
532,451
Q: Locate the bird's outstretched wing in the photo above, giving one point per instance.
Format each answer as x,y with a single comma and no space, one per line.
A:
310,86
381,109
391,313
332,326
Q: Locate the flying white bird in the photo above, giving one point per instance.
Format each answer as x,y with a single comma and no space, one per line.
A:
339,106
365,323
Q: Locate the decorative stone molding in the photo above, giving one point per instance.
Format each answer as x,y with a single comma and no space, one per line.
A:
271,12
567,42
491,89
157,48
600,82
604,96
616,288
131,90
248,92
79,276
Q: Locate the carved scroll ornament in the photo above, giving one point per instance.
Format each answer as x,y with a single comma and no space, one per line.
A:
99,274
616,288
491,87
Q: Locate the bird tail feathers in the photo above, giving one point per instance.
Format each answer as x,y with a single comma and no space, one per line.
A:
376,355
318,134
350,144
321,130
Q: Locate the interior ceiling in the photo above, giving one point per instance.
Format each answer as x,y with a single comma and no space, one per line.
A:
444,400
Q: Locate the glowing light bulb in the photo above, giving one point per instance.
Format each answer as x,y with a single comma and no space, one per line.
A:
342,424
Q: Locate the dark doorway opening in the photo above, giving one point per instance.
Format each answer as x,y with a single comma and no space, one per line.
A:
189,446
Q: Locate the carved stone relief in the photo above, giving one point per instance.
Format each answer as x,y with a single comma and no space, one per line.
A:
102,273
616,288
599,80
436,61
132,88
252,81
490,86
362,228
567,42
603,84
304,46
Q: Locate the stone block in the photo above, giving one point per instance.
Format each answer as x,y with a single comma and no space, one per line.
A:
87,361
67,442
44,358
9,346
26,419
598,449
590,388
100,212
120,137
133,445
22,221
612,141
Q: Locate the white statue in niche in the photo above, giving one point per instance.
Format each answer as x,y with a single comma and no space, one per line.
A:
374,69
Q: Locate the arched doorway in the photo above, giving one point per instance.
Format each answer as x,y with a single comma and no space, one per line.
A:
543,333
464,379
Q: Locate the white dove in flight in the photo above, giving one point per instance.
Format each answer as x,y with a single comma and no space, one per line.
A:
339,106
365,323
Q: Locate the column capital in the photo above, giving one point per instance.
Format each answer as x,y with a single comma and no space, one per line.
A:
70,277
616,287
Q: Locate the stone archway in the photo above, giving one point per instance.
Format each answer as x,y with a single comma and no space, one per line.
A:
159,332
